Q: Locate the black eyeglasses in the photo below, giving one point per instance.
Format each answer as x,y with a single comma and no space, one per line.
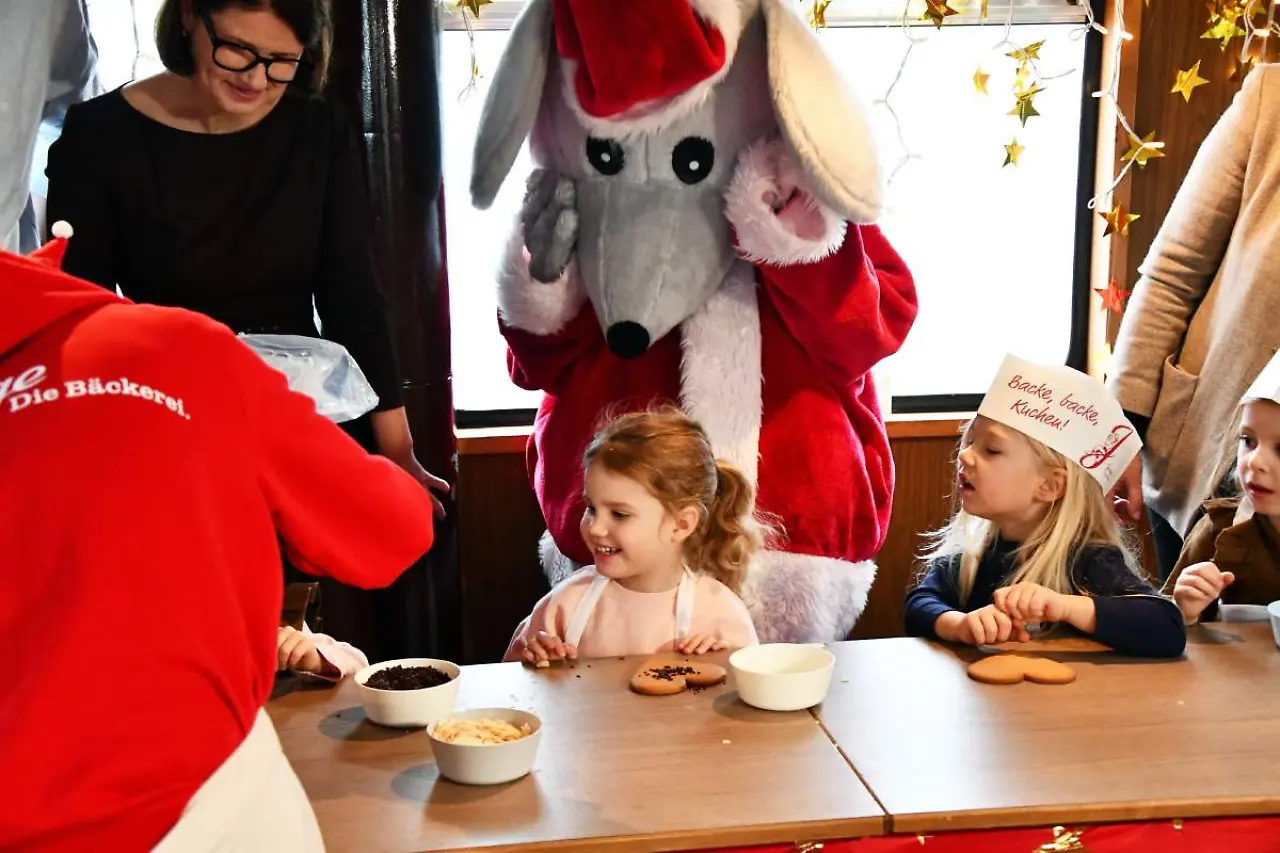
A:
233,56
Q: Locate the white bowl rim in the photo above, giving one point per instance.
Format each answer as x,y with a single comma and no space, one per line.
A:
363,675
1274,609
454,715
827,657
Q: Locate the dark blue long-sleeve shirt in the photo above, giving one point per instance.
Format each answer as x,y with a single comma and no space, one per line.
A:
1132,618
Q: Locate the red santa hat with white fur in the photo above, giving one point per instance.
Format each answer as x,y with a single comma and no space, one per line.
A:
642,60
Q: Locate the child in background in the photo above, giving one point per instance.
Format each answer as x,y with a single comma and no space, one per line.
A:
1232,555
672,533
1034,540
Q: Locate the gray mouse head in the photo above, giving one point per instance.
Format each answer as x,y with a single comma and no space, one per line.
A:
646,105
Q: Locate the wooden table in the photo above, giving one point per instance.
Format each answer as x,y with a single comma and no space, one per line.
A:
615,771
1128,740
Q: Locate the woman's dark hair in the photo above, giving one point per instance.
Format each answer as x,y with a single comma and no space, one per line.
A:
309,20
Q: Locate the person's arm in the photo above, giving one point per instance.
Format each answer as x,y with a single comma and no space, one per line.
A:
80,195
543,618
1185,255
1123,611
935,597
339,511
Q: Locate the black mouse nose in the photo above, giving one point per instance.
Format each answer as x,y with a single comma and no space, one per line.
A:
627,339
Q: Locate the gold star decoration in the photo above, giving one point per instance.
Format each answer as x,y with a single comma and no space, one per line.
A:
1187,81
818,14
1011,152
1063,842
472,6
1025,108
1224,29
1028,53
937,11
980,81
982,9
1139,154
1118,220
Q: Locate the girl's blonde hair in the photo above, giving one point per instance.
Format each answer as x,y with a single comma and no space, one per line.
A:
1080,517
669,454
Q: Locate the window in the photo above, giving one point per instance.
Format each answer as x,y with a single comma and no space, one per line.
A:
995,250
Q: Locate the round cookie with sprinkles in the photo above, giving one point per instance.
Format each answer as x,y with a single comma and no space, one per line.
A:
663,677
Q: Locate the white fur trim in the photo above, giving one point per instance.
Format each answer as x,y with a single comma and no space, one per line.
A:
766,170
62,229
720,370
800,598
542,308
555,565
727,16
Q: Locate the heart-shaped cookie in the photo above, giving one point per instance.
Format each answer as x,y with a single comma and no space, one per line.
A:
1011,669
663,676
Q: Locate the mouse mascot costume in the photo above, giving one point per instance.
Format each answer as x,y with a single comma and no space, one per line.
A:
696,231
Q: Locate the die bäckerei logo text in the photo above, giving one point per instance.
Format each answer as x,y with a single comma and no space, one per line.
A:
28,389
1044,398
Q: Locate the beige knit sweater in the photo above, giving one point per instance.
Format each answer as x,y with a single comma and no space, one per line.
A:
1204,318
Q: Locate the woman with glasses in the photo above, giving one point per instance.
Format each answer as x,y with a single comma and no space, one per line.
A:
228,186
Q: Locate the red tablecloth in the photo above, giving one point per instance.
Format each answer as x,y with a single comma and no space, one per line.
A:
1227,835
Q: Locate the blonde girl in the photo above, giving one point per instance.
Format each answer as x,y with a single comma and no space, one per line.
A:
1034,539
672,533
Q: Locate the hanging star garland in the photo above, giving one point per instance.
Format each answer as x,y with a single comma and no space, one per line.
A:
1187,81
1224,29
1140,151
472,6
982,9
937,11
1113,299
818,14
1118,220
980,81
1025,108
1028,53
1011,152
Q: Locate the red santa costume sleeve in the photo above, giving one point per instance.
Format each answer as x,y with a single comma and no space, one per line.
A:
842,291
548,325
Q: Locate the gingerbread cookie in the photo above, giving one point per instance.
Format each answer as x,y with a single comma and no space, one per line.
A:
663,676
1011,669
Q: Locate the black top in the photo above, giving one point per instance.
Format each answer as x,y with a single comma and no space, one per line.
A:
1132,618
245,227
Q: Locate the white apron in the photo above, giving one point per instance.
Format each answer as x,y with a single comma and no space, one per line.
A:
587,606
253,803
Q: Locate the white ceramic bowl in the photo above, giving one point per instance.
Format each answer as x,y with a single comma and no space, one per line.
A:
1273,610
487,763
782,676
409,708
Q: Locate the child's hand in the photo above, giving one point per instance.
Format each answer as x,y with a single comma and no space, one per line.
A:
296,652
1197,587
988,626
700,644
1030,602
542,648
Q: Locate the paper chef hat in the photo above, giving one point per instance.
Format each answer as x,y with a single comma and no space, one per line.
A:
1067,410
1267,385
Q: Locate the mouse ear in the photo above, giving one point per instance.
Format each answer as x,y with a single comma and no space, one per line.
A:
823,121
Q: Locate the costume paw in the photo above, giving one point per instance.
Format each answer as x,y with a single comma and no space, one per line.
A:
775,214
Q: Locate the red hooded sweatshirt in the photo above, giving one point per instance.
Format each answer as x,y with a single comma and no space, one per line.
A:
151,468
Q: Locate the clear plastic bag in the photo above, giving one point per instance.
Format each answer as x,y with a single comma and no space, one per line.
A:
320,369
